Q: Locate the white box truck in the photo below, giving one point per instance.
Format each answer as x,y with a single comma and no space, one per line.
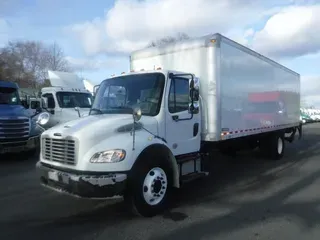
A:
152,129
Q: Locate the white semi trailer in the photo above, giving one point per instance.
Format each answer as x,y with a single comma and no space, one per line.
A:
178,103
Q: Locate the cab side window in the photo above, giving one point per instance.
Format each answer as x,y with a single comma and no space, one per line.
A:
51,102
179,95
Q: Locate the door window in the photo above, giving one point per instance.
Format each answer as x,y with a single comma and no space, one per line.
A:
51,102
179,95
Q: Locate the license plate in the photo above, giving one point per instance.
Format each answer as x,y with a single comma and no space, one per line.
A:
53,176
65,179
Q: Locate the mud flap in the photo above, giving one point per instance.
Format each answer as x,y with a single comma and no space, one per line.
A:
291,138
300,130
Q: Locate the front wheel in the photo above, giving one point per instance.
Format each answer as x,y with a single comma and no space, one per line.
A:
149,190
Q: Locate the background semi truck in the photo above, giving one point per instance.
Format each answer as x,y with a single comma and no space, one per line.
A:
19,131
171,110
67,99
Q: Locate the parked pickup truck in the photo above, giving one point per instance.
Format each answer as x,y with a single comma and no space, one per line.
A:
152,129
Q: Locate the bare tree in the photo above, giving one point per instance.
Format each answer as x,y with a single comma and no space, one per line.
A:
28,62
13,68
169,39
56,59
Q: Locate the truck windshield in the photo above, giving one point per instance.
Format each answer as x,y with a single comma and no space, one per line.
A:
74,99
121,94
9,96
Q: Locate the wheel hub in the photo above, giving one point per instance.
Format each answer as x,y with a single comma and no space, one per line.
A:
155,186
280,145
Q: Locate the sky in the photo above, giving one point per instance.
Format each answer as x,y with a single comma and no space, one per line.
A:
98,36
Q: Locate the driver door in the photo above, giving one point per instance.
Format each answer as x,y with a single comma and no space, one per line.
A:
183,130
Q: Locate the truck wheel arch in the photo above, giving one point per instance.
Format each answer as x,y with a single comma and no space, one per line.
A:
165,152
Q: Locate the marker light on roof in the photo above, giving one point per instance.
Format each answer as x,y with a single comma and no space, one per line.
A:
132,71
142,69
123,72
159,68
112,75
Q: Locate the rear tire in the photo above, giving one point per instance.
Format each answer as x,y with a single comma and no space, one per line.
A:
273,146
149,188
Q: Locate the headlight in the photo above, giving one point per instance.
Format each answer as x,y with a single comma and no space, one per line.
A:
110,156
43,118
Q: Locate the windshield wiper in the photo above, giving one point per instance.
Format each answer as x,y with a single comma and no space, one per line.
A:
120,107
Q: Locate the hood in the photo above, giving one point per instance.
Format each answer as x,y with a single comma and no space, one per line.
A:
69,114
14,111
99,127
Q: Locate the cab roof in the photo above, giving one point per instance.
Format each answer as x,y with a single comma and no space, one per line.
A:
64,89
8,84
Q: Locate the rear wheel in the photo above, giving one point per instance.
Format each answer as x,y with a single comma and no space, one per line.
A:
149,188
273,146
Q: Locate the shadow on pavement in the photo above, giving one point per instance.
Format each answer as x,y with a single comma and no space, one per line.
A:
16,163
306,212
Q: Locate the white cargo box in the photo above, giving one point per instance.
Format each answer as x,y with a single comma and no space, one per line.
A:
242,92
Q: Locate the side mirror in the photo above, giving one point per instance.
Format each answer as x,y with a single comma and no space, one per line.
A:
77,109
28,100
24,103
44,102
95,89
194,96
191,83
136,113
38,110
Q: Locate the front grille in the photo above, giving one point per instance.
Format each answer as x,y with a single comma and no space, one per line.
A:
59,150
14,130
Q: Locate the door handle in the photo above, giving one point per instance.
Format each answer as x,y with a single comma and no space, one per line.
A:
195,129
175,117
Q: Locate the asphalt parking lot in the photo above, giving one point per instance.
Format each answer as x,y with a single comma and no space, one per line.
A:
250,198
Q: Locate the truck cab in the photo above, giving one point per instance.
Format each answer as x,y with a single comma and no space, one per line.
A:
66,100
98,154
34,104
18,128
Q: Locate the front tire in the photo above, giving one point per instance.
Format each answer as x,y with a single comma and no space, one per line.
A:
149,189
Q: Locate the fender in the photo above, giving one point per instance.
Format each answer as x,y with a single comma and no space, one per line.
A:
161,149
